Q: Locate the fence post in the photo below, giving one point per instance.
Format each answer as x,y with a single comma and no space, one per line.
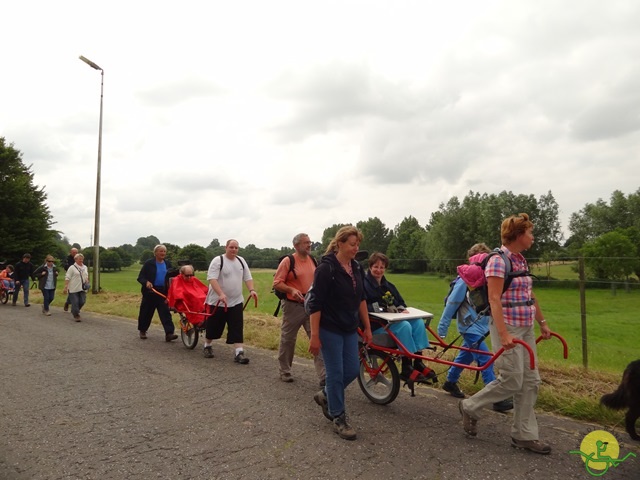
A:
583,314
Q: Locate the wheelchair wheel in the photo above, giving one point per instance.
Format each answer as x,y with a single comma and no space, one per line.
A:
189,333
4,296
382,385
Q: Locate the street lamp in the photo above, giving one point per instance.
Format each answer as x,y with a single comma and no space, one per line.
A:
95,284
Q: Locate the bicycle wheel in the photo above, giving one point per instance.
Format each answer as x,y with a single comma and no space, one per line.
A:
4,296
379,378
188,333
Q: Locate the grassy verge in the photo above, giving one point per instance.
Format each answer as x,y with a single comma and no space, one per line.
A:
568,388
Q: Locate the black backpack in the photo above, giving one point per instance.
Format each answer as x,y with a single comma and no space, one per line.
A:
292,264
478,297
222,262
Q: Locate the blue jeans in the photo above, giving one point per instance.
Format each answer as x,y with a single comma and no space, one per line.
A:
342,365
78,300
411,333
48,294
25,288
466,358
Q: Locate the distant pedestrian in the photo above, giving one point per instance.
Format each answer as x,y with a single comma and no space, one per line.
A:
154,276
22,276
47,275
226,274
70,260
295,282
75,281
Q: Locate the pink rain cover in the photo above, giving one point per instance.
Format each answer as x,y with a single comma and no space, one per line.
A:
473,275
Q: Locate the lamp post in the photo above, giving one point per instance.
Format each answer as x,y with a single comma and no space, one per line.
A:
95,284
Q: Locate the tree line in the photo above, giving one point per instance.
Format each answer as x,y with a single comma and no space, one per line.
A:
606,234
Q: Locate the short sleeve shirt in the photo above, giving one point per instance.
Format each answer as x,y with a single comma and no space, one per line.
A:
518,292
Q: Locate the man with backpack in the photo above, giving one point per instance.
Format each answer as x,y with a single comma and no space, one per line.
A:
292,280
474,328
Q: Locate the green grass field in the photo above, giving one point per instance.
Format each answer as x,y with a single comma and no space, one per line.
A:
612,332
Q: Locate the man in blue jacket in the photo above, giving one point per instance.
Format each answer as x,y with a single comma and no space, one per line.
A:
153,276
474,330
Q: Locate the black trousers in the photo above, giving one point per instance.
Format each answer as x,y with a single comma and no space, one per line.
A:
149,304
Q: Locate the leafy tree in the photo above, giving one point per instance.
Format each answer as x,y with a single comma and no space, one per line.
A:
597,218
146,255
196,254
328,235
376,236
125,255
146,243
611,256
406,249
110,260
25,220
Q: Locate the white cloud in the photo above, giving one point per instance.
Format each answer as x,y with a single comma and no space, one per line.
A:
255,120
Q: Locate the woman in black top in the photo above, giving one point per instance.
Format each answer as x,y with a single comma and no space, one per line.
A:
337,306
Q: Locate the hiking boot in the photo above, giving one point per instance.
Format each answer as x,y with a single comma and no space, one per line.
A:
469,424
143,335
535,446
170,337
503,406
27,304
77,318
66,307
321,399
453,389
341,427
208,352
286,377
240,358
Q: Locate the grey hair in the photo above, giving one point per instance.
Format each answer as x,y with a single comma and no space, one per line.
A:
158,247
78,255
298,238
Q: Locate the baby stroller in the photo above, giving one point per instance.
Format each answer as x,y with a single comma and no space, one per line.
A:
186,297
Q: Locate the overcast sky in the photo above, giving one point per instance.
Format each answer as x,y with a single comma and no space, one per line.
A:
258,119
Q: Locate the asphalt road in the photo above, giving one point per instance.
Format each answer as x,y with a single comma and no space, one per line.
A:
91,400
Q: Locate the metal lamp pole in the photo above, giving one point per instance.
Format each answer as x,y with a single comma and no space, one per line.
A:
95,284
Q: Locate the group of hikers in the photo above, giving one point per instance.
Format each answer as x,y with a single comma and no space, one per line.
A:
335,301
18,278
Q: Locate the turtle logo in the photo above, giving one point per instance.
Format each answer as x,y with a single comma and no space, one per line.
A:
599,451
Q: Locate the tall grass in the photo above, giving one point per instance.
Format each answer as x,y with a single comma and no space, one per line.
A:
612,333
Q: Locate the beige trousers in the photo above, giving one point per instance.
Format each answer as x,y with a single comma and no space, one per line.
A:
516,379
294,317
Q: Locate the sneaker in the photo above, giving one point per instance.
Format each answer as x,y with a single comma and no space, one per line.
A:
341,427
27,304
503,406
169,337
286,377
469,424
143,335
321,399
535,446
208,352
47,313
453,389
77,318
240,358
66,307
